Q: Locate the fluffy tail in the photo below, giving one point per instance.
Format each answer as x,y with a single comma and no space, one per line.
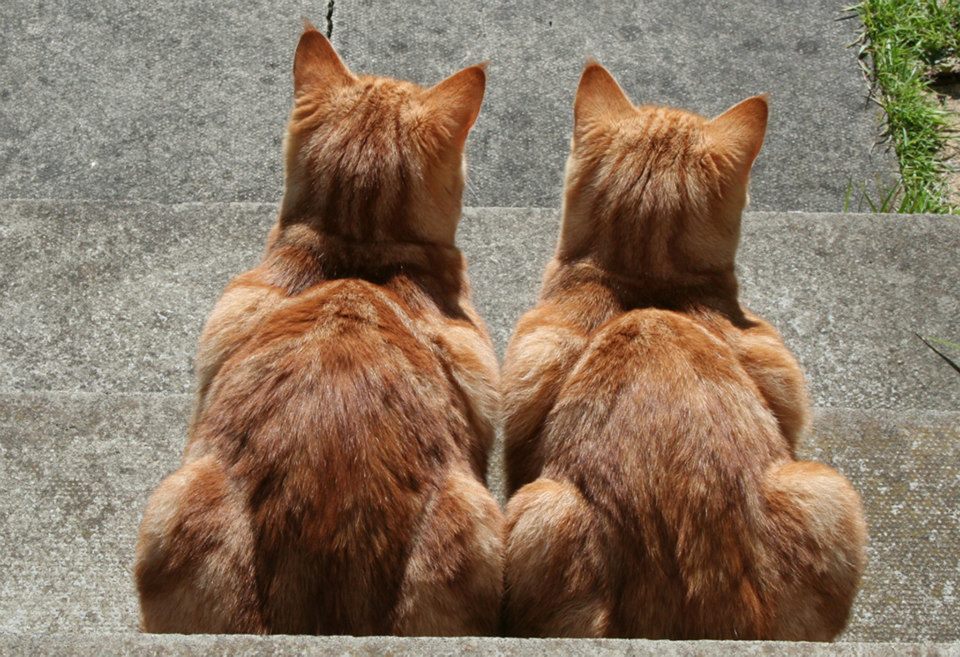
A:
557,581
819,536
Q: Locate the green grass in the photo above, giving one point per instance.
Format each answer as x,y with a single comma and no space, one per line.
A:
908,42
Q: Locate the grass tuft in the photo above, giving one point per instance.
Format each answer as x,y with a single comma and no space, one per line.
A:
907,43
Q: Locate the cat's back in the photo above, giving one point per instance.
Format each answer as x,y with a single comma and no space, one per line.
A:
663,432
331,420
652,388
339,359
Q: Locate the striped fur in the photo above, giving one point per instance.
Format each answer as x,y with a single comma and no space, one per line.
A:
347,391
651,420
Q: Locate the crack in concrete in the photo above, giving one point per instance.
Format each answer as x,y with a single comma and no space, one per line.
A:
330,4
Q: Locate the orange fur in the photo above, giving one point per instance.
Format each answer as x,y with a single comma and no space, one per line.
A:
650,420
348,392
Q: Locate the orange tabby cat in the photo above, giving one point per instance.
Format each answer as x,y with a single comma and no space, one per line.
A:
651,421
332,480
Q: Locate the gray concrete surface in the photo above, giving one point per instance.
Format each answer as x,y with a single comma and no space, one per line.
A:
249,646
695,55
172,101
111,297
76,469
904,464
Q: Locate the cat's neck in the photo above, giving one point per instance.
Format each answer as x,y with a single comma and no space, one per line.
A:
637,289
304,254
364,218
651,258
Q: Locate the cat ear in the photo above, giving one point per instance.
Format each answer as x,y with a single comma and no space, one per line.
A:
316,63
456,100
599,96
738,132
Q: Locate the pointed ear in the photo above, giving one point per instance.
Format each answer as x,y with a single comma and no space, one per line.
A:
738,132
457,100
599,96
316,63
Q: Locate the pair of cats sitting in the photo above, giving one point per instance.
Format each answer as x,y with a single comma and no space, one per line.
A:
348,395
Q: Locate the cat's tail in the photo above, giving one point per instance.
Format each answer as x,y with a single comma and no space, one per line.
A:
194,566
556,575
818,535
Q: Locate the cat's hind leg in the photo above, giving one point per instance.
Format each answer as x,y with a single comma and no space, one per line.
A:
194,565
453,584
818,537
557,566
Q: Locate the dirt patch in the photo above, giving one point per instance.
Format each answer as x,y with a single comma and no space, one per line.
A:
947,89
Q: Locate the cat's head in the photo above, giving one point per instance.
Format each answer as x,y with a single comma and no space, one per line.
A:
654,190
372,158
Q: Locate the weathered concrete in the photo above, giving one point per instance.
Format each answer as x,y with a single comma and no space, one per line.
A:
904,465
171,102
111,297
76,469
281,646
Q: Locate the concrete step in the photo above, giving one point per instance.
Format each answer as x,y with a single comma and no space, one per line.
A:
283,646
99,102
110,296
685,53
76,469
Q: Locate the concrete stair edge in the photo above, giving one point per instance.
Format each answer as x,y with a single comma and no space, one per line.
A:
275,204
76,469
83,645
111,296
